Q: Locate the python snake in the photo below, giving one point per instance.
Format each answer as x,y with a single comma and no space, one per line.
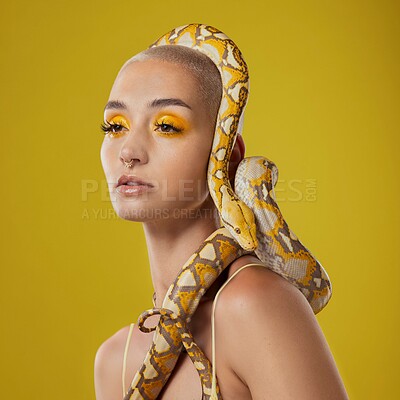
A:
251,223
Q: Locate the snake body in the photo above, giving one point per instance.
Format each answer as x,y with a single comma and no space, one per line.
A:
251,223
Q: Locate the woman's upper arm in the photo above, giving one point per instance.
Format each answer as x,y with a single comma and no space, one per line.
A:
280,351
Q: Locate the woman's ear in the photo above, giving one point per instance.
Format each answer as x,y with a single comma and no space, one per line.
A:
237,155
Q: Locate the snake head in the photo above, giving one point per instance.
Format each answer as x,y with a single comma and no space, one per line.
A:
238,218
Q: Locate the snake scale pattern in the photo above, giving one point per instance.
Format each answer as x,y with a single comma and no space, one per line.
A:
251,223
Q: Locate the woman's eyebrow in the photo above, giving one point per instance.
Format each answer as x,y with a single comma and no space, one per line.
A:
115,105
156,103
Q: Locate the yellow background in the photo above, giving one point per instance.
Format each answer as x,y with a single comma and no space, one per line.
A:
324,105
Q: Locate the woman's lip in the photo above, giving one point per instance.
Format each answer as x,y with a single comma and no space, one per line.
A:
132,190
124,179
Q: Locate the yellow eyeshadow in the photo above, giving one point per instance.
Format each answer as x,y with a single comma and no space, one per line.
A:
173,120
120,120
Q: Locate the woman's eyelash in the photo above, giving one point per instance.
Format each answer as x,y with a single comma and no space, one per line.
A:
168,125
107,127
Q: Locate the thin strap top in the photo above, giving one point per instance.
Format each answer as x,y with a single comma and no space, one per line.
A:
125,354
214,395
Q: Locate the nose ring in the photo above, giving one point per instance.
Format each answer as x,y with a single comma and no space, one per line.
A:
128,164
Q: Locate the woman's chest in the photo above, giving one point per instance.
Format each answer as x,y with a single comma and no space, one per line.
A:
184,382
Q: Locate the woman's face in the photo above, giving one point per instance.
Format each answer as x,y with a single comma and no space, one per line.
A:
156,119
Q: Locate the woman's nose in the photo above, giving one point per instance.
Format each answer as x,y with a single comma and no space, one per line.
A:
133,149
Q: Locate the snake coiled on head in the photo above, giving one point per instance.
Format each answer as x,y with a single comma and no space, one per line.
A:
251,223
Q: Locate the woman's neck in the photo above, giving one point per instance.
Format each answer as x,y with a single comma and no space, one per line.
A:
170,243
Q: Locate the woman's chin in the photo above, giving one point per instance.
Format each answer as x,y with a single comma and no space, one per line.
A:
140,214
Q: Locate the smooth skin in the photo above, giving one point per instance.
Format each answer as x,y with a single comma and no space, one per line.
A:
268,342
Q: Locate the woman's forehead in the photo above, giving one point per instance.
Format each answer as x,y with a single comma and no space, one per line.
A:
142,80
156,70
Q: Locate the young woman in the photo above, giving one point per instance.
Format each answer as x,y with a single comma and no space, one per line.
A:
159,124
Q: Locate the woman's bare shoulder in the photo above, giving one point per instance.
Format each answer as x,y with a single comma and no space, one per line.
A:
113,345
256,289
283,352
108,365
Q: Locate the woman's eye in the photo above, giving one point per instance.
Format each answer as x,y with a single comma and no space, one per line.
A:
111,128
114,129
167,128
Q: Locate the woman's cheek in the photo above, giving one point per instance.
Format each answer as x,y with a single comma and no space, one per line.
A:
106,154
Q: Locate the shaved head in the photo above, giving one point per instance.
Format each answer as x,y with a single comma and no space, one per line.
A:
198,64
